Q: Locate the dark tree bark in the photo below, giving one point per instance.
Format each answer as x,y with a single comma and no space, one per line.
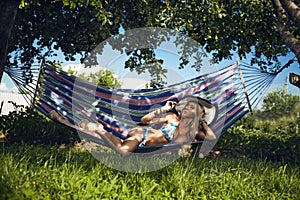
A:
284,28
8,11
292,9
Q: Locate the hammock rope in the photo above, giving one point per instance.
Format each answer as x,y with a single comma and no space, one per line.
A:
25,78
119,110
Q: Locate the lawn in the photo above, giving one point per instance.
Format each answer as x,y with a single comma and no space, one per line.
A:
51,172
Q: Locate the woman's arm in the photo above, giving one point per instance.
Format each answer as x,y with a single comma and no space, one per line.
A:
158,115
207,133
155,117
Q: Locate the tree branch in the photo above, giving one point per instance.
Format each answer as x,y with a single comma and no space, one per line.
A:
283,26
292,9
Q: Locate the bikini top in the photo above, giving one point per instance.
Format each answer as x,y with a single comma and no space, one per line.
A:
169,130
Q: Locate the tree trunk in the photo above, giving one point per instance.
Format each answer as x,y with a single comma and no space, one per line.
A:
293,10
284,29
8,11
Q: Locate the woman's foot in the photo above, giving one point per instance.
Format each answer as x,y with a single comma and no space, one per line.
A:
90,126
54,115
113,142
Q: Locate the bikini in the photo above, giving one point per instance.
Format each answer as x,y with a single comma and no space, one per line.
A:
167,131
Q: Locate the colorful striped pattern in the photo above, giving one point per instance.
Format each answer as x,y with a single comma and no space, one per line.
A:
121,109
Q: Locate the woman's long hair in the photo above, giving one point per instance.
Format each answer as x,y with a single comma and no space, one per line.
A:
195,122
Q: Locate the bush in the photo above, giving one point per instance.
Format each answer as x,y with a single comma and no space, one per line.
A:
27,125
273,140
271,133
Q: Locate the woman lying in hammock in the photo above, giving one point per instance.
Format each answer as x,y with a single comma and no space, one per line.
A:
183,122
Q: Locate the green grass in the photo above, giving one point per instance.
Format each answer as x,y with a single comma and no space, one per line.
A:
44,172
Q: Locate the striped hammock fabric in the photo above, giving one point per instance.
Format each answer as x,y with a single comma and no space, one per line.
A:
119,110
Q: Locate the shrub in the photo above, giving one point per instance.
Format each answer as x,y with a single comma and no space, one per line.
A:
275,141
27,125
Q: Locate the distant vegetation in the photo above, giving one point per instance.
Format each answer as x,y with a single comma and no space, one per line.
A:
270,133
102,77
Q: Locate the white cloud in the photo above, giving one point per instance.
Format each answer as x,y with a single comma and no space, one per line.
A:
5,88
80,69
74,67
133,83
14,89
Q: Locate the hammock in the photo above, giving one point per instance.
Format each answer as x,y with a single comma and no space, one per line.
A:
119,110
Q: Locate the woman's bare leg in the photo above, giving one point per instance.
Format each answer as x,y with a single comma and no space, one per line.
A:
126,146
113,139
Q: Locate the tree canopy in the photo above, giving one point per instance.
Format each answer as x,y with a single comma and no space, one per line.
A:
102,77
279,103
265,29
